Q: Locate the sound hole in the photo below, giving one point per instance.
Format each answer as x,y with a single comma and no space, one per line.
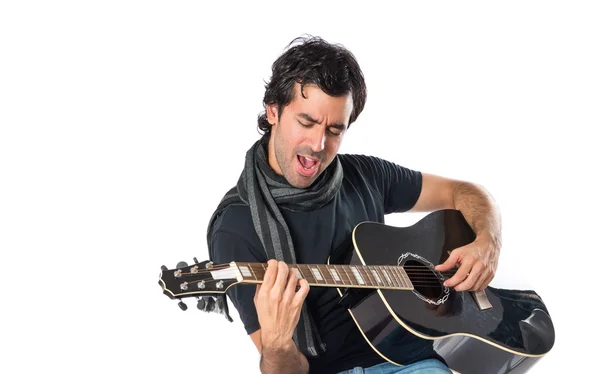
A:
423,279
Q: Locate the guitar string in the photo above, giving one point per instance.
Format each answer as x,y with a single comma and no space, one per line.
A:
316,282
412,268
417,283
227,266
375,287
416,278
413,275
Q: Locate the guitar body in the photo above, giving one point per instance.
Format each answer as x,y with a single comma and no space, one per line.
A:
508,337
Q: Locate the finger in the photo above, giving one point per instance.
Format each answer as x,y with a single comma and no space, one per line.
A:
282,276
472,278
270,274
450,261
479,285
300,295
290,288
461,274
487,282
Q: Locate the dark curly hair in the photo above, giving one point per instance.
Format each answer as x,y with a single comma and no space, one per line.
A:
331,67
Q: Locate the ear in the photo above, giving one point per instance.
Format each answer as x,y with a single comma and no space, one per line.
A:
271,111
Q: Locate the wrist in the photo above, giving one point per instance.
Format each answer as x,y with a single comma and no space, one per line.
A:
282,358
277,344
490,238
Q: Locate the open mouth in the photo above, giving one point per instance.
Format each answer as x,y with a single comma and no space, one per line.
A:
307,166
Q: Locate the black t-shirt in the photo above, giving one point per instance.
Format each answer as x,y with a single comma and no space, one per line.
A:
371,188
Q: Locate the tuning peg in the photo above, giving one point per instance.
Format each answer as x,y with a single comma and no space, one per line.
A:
206,303
210,304
181,264
163,268
182,305
195,260
214,304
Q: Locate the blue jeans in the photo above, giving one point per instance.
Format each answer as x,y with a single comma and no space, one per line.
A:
430,366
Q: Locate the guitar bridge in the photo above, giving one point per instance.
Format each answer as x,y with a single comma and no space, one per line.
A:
481,300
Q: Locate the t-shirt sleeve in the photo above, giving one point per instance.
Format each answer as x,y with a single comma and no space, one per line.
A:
229,246
399,186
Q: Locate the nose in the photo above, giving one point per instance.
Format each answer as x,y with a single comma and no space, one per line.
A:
317,139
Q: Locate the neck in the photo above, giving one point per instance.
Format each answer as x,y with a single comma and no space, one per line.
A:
361,276
271,159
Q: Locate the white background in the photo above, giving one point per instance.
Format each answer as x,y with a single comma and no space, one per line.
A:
123,123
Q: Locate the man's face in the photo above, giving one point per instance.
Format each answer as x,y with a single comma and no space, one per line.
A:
308,135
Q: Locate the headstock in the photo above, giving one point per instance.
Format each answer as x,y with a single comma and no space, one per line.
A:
204,280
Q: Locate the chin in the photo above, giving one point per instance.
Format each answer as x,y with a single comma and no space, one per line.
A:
301,182
305,182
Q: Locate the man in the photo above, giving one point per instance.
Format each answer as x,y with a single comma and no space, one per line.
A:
297,200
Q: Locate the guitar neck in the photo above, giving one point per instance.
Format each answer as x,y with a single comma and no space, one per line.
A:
344,276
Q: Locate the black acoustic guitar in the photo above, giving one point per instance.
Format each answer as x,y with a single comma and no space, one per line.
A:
389,285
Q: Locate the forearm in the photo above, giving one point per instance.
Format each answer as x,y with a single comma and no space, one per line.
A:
480,210
286,359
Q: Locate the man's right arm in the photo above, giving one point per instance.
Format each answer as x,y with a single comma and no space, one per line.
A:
278,306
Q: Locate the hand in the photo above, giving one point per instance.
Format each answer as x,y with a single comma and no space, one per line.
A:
478,262
278,304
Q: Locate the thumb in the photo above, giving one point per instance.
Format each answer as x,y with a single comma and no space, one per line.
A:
450,262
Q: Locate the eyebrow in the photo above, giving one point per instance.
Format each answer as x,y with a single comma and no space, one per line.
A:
307,117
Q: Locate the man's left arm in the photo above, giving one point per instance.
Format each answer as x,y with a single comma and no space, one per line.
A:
478,260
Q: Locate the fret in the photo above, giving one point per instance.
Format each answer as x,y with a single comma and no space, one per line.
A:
386,276
382,277
357,275
398,271
393,276
375,275
301,272
264,269
324,275
244,271
253,273
369,280
360,280
297,271
334,275
310,278
316,274
370,275
405,277
341,276
402,283
259,273
311,274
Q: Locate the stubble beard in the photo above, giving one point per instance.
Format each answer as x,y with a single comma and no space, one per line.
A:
287,164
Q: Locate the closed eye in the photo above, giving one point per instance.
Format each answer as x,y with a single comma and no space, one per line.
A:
335,130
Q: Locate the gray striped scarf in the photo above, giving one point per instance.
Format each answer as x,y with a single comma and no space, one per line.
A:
265,191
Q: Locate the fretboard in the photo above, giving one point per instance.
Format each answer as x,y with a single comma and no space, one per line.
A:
371,276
